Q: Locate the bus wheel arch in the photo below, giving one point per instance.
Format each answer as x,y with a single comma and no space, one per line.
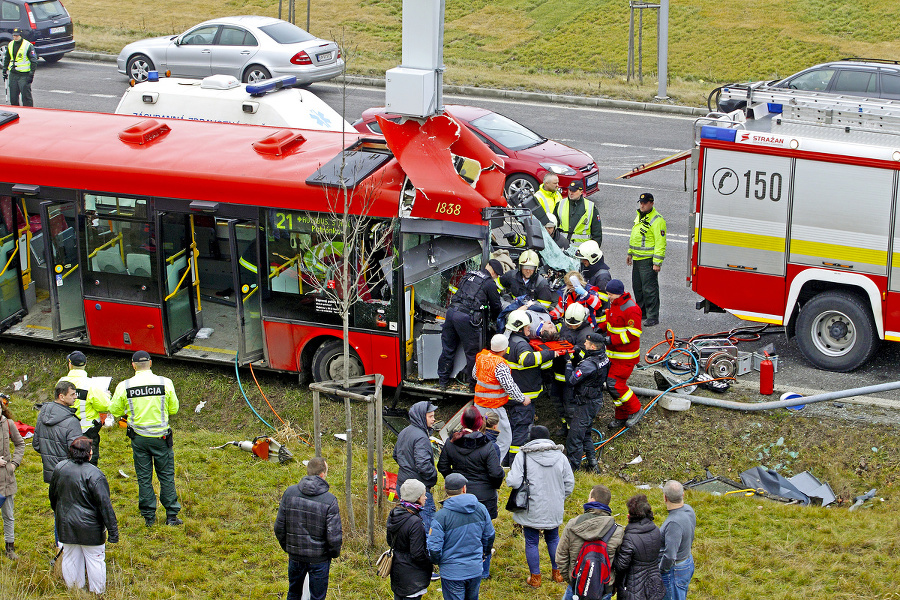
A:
326,362
835,329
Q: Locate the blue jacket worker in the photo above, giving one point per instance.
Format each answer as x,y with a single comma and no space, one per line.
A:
461,536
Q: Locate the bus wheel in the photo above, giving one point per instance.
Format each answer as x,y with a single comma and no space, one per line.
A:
328,362
836,332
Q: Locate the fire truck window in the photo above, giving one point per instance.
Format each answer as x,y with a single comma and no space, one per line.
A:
855,82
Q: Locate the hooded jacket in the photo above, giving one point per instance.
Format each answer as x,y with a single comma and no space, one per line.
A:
551,482
82,493
10,434
411,569
592,525
597,274
637,562
473,456
55,430
308,525
461,535
413,453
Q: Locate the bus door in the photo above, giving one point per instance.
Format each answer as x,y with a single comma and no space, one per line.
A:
245,262
12,304
60,242
179,276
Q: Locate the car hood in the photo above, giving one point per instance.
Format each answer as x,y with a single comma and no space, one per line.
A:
144,45
551,151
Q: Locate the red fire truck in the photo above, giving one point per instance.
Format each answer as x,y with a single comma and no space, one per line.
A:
795,222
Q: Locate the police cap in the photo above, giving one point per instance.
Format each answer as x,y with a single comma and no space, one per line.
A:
17,31
140,356
646,197
77,358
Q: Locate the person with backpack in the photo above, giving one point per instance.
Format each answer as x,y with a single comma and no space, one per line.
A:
637,559
543,464
590,540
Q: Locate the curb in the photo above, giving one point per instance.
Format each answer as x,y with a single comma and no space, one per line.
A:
546,98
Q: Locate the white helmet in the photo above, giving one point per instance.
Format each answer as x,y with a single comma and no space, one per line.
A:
575,314
552,220
590,251
499,343
517,320
529,258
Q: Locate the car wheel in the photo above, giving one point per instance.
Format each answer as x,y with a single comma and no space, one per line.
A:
836,332
255,73
138,67
52,58
328,362
518,182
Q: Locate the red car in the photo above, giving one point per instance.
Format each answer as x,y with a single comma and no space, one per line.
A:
528,155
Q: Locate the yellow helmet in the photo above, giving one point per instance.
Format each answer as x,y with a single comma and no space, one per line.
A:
529,258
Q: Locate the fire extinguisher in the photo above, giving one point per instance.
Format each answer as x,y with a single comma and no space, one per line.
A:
766,376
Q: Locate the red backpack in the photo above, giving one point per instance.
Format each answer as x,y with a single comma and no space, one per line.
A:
592,569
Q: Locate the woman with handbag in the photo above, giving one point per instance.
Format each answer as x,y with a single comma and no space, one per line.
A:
411,567
637,559
9,434
542,466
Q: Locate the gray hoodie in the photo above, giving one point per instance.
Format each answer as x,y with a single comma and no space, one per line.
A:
551,482
56,428
413,453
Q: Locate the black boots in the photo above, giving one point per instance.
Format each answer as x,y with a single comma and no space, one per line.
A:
11,551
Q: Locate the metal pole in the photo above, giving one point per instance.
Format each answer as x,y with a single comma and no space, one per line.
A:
372,486
317,423
279,8
641,46
348,478
307,14
630,75
663,48
379,439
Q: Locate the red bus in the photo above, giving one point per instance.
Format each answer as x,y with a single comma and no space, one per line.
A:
197,240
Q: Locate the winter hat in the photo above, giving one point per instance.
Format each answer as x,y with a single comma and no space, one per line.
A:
499,343
454,482
615,287
538,432
412,490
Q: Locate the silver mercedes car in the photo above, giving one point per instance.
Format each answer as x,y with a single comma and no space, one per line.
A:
250,48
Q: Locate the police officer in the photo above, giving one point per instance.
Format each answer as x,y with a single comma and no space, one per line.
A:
646,252
578,217
466,322
586,374
526,365
149,400
593,268
92,400
18,67
526,281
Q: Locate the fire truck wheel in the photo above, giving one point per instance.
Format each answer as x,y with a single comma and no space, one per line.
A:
836,332
328,362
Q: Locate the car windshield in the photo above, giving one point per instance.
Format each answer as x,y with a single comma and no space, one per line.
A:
507,132
286,33
47,10
813,81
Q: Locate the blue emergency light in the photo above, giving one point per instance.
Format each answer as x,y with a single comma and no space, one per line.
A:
775,108
152,75
723,134
269,85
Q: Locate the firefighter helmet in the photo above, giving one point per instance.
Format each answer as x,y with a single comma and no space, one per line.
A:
517,320
589,251
575,314
529,258
552,220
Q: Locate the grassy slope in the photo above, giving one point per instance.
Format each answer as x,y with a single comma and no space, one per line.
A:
569,46
751,548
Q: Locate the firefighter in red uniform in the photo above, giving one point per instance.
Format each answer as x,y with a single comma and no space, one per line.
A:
623,347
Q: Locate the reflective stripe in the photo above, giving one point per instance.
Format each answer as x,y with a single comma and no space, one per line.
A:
154,429
622,355
489,386
559,377
514,449
533,395
625,398
84,421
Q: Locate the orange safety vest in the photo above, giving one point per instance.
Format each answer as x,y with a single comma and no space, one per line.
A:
488,391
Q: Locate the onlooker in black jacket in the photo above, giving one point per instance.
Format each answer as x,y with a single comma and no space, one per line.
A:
81,493
637,560
57,427
308,527
411,569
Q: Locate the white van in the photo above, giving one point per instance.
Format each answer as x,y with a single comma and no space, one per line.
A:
224,99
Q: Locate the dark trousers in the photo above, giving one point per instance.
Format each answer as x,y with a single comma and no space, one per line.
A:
645,283
465,589
153,453
318,579
579,442
458,329
20,83
521,418
95,445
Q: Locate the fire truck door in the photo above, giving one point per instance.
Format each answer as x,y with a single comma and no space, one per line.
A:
744,206
60,233
245,268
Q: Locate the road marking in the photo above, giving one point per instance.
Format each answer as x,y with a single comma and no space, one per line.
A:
61,91
617,145
102,96
621,232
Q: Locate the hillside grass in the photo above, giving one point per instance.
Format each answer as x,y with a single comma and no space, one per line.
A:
745,547
564,46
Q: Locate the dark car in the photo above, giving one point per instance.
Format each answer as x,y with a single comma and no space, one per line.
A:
867,78
527,155
46,24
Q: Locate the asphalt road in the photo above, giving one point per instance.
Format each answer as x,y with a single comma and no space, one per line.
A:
618,141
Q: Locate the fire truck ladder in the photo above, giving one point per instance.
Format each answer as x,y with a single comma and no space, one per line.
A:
758,97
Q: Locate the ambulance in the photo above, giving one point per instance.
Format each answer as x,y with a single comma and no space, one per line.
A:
224,99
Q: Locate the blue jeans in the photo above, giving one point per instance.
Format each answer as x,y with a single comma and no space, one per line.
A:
486,566
427,512
466,589
570,593
532,554
677,579
318,579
